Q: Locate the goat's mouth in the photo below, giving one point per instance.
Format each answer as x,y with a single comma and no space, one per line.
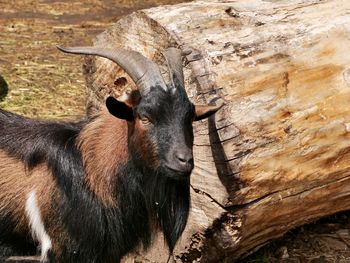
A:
177,173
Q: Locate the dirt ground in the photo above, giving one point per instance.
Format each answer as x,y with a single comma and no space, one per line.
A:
43,81
38,81
324,241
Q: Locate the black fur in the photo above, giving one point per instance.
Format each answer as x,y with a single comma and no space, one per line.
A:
14,243
97,233
172,116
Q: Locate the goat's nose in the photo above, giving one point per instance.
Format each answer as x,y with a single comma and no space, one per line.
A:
185,159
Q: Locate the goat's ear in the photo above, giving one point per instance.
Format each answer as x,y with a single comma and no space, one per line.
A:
119,109
205,111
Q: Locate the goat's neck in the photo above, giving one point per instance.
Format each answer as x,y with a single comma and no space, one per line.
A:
142,195
103,144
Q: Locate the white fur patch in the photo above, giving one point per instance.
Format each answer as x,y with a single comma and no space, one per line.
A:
36,224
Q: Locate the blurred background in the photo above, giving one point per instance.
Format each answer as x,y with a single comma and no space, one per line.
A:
35,78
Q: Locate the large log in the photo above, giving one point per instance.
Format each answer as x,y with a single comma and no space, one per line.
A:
278,154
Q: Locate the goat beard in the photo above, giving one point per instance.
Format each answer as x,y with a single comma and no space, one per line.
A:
168,200
165,196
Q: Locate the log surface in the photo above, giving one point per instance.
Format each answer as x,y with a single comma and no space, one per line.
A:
278,154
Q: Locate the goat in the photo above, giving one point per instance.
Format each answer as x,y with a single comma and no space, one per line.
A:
94,190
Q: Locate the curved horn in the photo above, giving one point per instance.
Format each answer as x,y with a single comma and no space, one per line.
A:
142,71
174,60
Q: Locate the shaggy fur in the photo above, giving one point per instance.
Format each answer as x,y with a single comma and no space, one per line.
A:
100,187
102,197
94,190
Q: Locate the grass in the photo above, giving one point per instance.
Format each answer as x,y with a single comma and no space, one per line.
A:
42,81
58,94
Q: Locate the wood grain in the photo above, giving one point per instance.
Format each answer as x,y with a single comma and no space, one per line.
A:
278,154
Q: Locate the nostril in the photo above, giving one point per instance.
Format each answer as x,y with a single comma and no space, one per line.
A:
182,161
184,158
181,158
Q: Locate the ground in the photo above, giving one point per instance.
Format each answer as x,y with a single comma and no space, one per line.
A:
324,241
39,81
42,81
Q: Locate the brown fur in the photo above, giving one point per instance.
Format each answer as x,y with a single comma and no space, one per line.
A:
16,182
145,147
103,144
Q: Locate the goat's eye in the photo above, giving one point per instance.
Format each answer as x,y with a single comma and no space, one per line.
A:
146,121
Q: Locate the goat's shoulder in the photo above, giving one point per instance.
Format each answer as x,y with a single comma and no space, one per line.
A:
34,141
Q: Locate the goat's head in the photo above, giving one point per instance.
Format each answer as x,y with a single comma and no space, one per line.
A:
159,115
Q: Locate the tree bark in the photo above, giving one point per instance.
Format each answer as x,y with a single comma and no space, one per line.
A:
278,154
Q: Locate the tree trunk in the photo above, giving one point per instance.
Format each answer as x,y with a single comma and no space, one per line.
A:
278,154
